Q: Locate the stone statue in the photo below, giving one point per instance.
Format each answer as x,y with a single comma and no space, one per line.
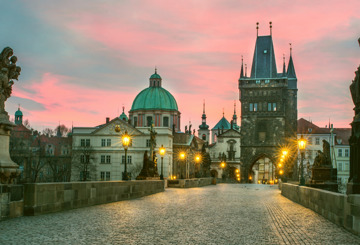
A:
8,73
152,140
323,157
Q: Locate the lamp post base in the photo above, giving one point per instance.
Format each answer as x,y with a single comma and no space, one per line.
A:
125,176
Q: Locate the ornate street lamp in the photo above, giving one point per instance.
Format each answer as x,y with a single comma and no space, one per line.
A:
302,146
162,151
223,165
182,156
125,138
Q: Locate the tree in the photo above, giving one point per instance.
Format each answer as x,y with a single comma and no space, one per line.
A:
63,130
83,163
27,124
48,132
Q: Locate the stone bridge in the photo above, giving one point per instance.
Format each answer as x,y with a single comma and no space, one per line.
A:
221,214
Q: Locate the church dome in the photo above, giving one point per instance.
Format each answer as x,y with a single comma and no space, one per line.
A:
155,97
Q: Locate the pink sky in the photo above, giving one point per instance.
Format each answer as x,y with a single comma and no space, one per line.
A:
82,61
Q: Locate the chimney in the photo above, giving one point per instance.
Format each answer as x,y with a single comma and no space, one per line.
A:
107,119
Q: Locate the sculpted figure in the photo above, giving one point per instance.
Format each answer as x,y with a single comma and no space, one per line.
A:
8,72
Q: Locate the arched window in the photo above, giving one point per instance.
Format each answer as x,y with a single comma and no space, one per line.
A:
203,137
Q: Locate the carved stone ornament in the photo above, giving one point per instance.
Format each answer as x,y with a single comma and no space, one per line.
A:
8,73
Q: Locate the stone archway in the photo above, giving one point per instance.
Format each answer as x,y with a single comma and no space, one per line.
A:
262,170
214,173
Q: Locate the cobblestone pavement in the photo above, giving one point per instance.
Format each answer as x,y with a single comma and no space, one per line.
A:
222,214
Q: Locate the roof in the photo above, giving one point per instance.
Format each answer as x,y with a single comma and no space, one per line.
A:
222,124
342,136
264,64
291,69
21,131
306,127
154,98
123,117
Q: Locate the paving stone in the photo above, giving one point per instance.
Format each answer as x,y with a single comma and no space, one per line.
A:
221,214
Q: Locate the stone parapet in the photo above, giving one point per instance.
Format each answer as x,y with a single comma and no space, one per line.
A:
189,183
41,198
343,210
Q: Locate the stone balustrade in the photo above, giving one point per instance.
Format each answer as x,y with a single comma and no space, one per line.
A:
341,209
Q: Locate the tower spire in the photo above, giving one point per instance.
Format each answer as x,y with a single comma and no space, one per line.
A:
291,69
284,66
245,70
234,107
270,28
242,68
204,107
155,70
257,29
223,112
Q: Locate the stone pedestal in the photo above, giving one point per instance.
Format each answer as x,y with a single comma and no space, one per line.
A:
323,174
8,169
353,186
11,201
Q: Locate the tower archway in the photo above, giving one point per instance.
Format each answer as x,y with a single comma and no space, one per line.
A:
262,170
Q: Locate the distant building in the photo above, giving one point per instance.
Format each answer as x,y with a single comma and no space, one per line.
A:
105,154
40,158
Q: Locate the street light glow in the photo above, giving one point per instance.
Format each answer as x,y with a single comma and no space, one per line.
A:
223,164
125,139
198,158
182,155
162,150
302,143
281,172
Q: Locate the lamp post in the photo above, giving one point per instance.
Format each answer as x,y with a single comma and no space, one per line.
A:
302,146
162,151
223,165
197,160
183,157
125,138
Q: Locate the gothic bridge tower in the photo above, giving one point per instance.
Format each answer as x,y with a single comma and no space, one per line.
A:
268,110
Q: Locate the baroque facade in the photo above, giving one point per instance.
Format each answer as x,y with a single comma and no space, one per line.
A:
268,107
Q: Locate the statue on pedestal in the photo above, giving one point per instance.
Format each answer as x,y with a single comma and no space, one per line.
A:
149,170
8,73
353,186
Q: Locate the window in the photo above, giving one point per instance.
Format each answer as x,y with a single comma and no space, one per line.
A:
149,121
267,80
340,166
135,121
317,141
147,143
262,136
203,137
339,152
253,107
105,176
102,159
257,81
346,152
271,106
108,142
83,173
346,167
103,142
84,158
87,142
82,142
129,159
309,141
166,121
108,159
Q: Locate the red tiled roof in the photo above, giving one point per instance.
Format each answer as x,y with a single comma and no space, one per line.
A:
342,136
306,127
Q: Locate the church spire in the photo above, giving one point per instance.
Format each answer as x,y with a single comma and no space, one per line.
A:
291,69
257,29
245,70
270,28
242,67
284,66
203,119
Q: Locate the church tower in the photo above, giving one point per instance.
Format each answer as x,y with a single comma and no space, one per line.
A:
203,131
268,107
18,117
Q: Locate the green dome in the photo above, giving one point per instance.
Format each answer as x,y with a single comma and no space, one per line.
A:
154,98
123,117
155,76
18,113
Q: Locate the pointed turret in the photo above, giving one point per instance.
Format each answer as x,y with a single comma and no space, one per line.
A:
284,67
291,69
123,115
155,79
234,119
203,131
203,119
242,68
58,132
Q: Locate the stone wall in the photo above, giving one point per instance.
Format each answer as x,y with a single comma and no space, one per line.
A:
41,198
189,183
11,201
341,209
